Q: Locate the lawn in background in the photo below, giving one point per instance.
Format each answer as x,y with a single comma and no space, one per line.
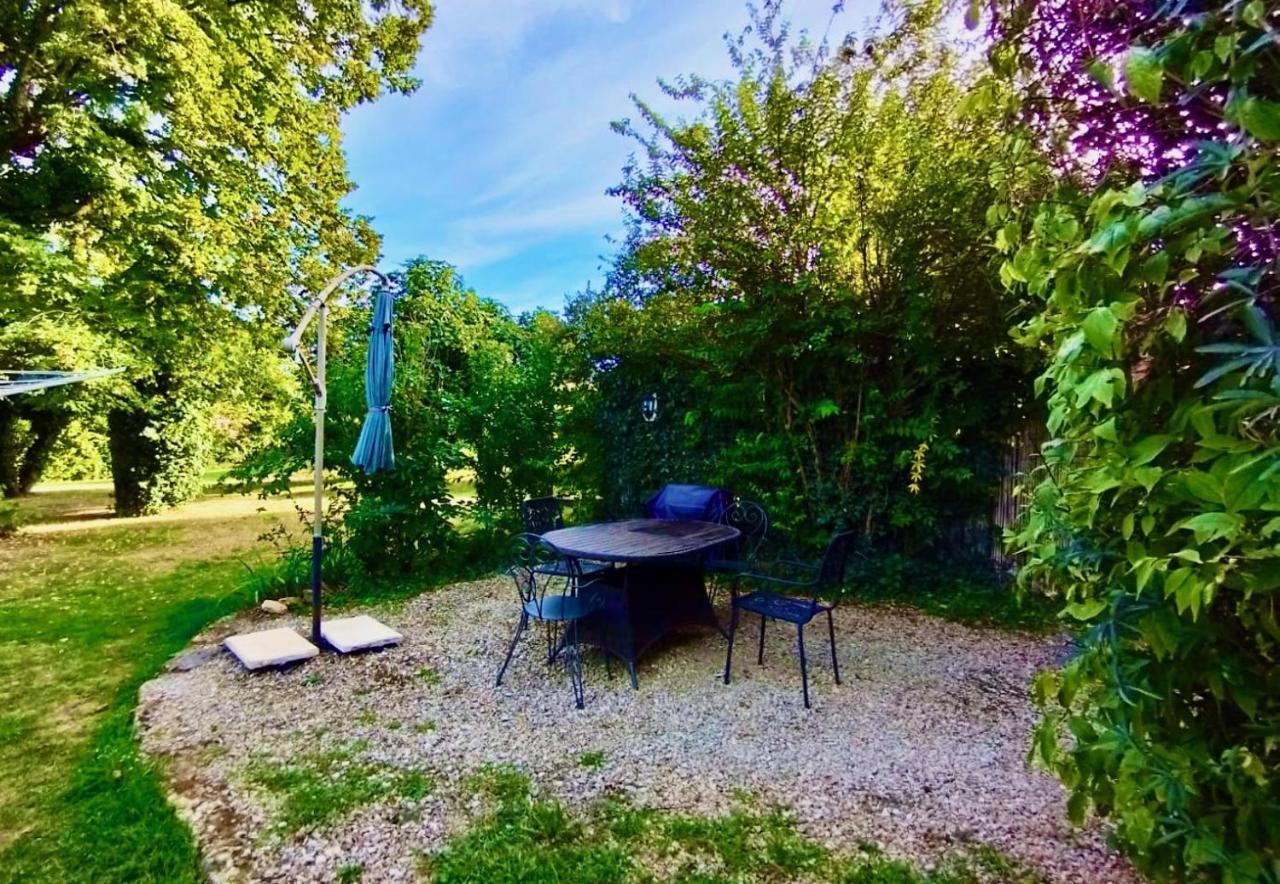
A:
90,607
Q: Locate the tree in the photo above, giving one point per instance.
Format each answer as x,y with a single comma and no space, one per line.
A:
476,392
806,281
172,180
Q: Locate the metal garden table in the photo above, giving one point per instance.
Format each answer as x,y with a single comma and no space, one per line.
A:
661,588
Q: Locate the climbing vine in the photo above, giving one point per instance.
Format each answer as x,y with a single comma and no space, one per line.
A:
1149,268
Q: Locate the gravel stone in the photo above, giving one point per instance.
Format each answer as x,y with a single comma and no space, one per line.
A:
921,750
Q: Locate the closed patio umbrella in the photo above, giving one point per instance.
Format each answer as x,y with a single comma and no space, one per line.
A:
373,450
275,647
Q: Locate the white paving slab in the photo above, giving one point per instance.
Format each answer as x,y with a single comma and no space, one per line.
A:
270,647
358,634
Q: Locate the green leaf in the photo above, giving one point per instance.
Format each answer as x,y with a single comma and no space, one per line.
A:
1203,486
1176,324
1260,118
973,15
1155,269
1102,72
1101,386
1189,596
1100,329
825,409
1144,74
1211,526
1111,238
1148,449
1086,610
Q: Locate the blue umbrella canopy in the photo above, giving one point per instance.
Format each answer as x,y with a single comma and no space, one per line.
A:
373,450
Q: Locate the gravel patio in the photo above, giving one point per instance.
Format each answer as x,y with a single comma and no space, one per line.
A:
921,750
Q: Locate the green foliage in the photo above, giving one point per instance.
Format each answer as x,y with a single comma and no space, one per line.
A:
31,425
172,178
158,454
475,392
316,788
81,453
807,286
1155,516
525,839
593,759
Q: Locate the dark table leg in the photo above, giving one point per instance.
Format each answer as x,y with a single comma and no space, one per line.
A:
642,603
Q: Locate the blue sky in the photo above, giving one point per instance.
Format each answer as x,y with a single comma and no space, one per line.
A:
500,162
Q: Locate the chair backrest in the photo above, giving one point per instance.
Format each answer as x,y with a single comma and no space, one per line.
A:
542,514
752,523
831,571
535,566
703,502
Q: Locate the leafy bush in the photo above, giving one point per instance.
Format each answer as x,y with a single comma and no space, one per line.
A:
159,452
1152,271
807,286
475,392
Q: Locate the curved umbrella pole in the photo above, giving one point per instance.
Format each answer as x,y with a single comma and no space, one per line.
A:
319,309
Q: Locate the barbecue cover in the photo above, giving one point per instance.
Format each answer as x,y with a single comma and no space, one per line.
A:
689,502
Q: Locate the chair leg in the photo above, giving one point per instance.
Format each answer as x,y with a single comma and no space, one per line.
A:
760,653
511,649
804,668
831,630
733,627
573,662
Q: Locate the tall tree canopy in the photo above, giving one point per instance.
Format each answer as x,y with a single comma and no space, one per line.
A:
170,178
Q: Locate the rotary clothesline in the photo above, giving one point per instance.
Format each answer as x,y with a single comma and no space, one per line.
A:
14,381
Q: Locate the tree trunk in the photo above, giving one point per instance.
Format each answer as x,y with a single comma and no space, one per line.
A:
133,459
46,430
157,454
24,455
10,453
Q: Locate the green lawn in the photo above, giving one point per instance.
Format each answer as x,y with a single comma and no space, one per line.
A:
90,607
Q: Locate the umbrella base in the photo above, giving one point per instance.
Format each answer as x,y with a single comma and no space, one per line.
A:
270,647
362,633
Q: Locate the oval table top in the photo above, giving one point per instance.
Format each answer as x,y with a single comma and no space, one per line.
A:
639,540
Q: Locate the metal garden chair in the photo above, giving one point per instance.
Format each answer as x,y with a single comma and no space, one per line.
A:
733,559
752,523
543,514
798,603
547,584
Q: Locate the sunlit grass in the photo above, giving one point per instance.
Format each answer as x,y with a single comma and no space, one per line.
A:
90,607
